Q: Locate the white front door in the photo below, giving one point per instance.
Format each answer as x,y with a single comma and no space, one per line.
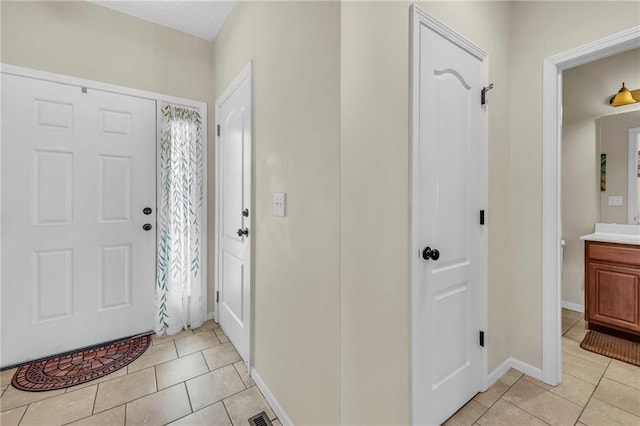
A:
448,242
234,231
77,171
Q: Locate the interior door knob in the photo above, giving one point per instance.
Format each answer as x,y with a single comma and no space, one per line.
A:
147,227
430,253
242,232
147,210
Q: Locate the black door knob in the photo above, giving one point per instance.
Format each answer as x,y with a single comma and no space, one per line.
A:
245,212
147,210
242,232
147,227
430,253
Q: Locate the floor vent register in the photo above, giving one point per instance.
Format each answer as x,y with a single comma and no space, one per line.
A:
260,419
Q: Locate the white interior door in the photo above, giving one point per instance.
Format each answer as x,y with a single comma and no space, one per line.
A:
77,171
234,231
448,241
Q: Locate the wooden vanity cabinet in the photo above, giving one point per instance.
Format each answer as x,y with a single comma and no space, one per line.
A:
612,286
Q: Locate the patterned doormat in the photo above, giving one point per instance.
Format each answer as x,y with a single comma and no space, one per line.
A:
79,367
612,347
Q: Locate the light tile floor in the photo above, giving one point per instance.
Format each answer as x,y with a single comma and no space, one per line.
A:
596,391
193,378
197,378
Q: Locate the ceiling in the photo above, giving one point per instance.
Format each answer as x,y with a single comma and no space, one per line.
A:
202,19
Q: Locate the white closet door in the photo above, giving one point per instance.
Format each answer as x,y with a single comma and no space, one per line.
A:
449,187
78,168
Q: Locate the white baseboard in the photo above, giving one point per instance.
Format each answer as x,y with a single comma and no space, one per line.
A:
527,369
500,371
573,306
271,399
516,364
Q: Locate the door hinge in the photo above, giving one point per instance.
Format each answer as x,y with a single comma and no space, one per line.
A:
482,338
481,217
217,296
218,130
483,94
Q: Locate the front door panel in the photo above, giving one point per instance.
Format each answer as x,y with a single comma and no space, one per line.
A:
77,170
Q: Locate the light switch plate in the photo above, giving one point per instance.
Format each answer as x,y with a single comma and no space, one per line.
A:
279,204
616,201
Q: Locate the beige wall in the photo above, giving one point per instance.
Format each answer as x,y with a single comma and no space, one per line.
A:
541,31
374,259
83,40
373,157
295,48
613,140
375,314
580,202
586,91
331,130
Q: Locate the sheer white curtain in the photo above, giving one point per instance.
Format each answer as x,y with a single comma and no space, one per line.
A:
179,299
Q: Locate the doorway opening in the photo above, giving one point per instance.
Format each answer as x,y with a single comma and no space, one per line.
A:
553,68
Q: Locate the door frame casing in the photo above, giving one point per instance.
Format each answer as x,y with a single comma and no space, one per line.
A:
243,75
632,196
159,98
553,67
417,18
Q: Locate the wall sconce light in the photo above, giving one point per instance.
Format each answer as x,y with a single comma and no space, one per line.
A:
625,97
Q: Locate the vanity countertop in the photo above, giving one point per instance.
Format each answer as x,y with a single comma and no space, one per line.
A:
615,233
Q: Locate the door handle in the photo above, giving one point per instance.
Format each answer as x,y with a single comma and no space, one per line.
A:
430,253
242,232
147,210
245,212
147,227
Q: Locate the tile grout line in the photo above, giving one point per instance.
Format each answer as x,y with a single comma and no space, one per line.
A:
238,372
221,401
66,390
585,360
564,335
176,384
245,387
620,383
602,376
526,411
562,396
494,402
594,391
608,378
227,410
155,377
23,414
614,406
542,420
186,389
194,377
95,398
587,354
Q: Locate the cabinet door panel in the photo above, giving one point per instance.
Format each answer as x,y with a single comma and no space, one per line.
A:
613,296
